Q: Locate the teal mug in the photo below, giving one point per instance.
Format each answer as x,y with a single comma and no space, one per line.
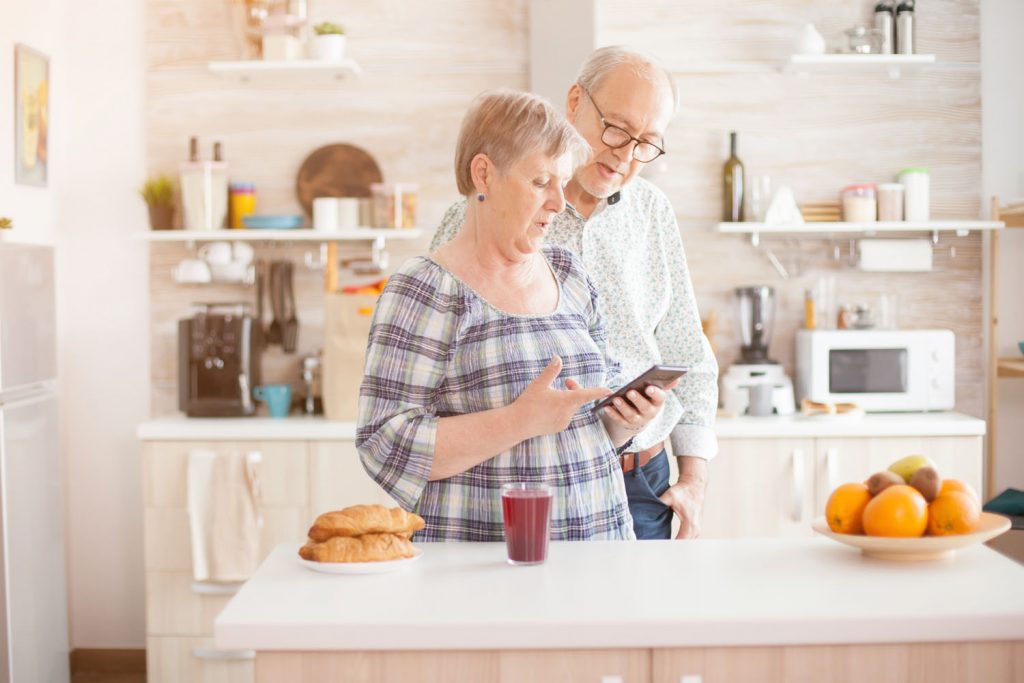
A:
277,396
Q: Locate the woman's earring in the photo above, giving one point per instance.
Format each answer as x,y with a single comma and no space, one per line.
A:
480,197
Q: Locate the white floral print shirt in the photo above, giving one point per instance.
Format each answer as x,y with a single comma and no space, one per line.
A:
632,250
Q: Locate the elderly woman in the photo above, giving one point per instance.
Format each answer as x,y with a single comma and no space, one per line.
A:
479,353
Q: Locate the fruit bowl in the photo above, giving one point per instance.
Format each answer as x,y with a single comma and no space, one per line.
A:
990,525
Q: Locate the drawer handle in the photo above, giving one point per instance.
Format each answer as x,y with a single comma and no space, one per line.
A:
798,485
832,468
211,588
212,655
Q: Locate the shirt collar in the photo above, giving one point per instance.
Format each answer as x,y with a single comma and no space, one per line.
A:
611,200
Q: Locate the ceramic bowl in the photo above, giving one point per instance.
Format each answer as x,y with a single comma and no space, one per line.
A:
923,548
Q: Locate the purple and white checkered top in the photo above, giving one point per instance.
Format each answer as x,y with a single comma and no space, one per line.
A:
437,349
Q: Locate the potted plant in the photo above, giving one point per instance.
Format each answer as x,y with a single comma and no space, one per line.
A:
329,44
158,194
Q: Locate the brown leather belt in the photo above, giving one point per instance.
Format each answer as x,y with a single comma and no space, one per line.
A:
629,461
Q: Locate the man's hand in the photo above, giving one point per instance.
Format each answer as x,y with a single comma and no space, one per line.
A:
686,496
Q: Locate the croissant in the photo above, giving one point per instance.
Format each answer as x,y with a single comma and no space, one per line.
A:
368,548
365,519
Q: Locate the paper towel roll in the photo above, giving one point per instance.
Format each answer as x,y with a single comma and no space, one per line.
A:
895,256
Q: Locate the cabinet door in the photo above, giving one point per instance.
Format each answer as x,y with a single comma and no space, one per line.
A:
173,660
760,487
337,478
843,460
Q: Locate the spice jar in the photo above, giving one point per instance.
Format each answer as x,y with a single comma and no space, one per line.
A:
859,204
242,203
394,205
890,202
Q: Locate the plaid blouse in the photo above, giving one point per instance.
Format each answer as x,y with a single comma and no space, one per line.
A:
438,349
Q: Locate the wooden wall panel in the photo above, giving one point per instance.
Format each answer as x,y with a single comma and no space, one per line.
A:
424,63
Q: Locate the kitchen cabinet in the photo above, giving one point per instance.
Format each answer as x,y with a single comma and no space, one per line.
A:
299,480
776,487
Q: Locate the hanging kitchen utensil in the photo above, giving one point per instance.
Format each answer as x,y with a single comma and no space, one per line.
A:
274,332
290,327
261,283
338,170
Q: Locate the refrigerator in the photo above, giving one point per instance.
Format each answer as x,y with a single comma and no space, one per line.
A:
33,583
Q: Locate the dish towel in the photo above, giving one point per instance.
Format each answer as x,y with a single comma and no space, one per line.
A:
225,519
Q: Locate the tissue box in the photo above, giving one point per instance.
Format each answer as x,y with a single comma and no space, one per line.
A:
895,256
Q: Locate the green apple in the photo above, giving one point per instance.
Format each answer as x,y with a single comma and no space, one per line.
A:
905,467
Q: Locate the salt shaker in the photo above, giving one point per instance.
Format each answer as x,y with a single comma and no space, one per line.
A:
905,27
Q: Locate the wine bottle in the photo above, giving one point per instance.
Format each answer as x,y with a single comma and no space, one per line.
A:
732,184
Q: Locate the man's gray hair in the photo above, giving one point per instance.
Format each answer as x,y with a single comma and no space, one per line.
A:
603,61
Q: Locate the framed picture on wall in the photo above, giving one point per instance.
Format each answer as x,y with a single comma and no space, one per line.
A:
31,115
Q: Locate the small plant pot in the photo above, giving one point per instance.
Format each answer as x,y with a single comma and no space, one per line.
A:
329,47
161,217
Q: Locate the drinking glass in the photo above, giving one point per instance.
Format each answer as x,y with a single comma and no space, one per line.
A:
527,512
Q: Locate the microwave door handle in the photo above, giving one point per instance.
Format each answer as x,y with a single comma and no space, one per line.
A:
797,457
246,392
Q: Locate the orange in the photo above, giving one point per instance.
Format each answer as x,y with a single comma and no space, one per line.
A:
957,485
899,510
953,512
844,508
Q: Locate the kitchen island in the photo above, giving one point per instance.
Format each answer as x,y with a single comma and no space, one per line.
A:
783,609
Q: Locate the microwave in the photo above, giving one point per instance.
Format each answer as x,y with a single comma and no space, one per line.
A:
879,370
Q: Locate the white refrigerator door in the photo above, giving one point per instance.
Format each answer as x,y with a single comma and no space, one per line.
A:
28,320
35,591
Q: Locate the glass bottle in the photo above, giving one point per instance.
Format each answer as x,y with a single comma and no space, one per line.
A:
732,185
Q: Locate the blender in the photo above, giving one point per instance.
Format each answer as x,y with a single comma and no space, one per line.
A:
755,384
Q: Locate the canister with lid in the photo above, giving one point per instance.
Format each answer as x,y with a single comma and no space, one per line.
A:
915,200
890,202
859,204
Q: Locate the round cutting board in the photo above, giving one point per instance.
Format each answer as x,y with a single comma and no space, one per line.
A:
338,170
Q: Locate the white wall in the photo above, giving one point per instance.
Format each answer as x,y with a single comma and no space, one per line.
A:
1002,92
89,212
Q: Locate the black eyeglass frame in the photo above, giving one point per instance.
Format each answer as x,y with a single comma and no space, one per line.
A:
625,132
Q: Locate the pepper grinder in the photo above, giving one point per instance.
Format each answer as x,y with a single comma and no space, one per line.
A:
885,24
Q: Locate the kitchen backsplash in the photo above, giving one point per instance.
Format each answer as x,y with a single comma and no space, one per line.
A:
424,62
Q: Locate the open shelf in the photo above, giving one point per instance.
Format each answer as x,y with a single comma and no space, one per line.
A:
1010,367
298,235
894,64
246,69
825,227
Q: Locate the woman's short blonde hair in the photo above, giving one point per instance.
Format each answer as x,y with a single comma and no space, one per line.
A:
507,126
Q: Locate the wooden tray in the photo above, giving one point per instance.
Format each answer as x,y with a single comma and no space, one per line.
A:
338,170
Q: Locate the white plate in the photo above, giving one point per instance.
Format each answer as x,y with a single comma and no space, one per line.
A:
922,548
360,567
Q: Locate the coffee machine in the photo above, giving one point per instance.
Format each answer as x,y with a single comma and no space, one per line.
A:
218,361
755,368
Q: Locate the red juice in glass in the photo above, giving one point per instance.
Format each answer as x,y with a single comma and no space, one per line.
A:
527,512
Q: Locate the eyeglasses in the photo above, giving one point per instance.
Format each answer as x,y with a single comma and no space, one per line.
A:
616,138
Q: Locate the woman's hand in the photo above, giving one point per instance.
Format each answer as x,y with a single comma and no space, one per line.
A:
542,409
625,419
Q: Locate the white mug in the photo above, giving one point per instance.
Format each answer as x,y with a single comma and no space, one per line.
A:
242,253
325,213
217,253
348,213
191,271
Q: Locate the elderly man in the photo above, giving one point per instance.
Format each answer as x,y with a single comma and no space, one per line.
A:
624,230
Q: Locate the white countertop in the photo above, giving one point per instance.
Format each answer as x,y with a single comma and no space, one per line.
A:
181,428
296,428
871,424
629,594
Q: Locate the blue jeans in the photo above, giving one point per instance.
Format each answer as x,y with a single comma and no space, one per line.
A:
652,519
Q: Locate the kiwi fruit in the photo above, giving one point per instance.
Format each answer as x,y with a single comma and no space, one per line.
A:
927,481
879,481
